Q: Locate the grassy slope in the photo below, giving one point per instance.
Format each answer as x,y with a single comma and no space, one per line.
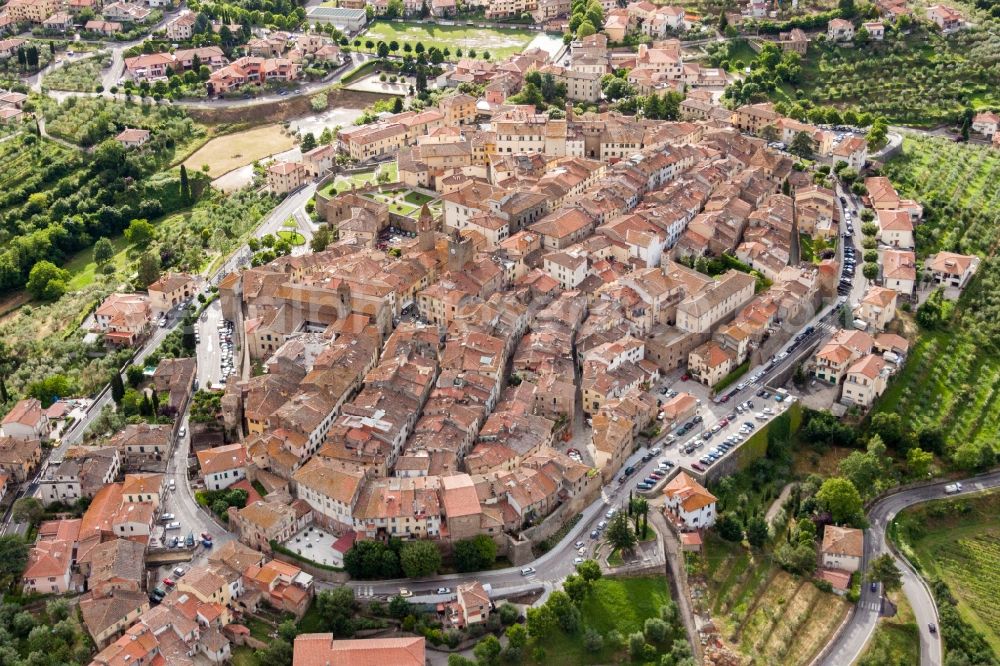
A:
962,548
896,639
623,604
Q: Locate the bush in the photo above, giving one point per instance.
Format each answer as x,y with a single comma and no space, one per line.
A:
318,102
592,640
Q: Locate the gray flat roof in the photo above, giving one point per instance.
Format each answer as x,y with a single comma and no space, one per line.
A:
336,12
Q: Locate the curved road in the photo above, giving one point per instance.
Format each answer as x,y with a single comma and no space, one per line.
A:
854,636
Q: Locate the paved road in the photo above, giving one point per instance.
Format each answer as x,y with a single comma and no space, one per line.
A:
851,641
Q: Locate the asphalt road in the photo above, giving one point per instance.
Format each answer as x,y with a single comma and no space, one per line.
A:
851,641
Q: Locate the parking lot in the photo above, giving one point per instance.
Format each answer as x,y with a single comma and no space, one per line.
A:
214,337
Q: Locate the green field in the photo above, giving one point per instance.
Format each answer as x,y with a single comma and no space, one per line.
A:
80,76
293,237
621,604
500,42
83,270
952,377
958,542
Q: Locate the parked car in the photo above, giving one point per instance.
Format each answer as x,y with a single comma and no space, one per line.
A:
577,561
166,517
444,590
698,467
178,571
405,593
644,486
175,525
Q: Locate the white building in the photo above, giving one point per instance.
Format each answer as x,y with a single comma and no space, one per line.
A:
689,503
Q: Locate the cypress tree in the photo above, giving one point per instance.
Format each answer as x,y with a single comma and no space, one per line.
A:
117,388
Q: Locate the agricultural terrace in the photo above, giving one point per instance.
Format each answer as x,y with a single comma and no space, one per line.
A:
499,42
951,382
79,76
232,151
764,612
958,543
922,79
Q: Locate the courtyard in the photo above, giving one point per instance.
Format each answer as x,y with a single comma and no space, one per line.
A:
315,544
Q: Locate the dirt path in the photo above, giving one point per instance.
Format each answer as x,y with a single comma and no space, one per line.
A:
776,505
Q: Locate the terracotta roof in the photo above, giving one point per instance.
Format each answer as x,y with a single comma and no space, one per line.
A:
322,650
26,412
843,541
222,458
691,494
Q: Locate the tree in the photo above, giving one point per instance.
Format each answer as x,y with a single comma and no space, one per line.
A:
104,251
487,651
576,587
383,50
620,535
321,239
46,281
27,510
49,388
517,636
140,232
890,428
883,570
723,22
149,268
278,653
6,365
729,528
798,558
839,496
337,607
475,554
399,607
878,133
655,630
420,559
117,387
185,185
636,646
802,145
308,142
368,559
870,271
589,570
757,531
542,621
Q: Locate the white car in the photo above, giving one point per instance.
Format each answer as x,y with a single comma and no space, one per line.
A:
527,571
577,561
953,488
173,526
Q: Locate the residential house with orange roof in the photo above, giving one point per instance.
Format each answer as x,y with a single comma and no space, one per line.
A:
19,457
123,318
287,587
877,308
842,548
948,19
222,466
986,123
710,362
284,177
899,271
143,488
896,229
262,522
689,503
951,269
323,650
865,381
170,290
25,421
50,560
845,347
331,488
